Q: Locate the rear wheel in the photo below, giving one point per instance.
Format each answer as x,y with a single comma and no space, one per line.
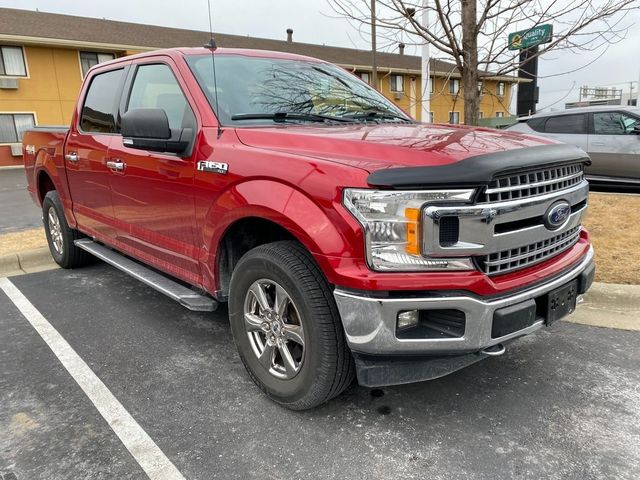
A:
286,326
60,236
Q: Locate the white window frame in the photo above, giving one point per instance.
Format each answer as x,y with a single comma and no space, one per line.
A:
392,84
24,62
432,81
368,74
450,118
80,52
499,114
480,87
35,123
480,114
452,82
498,89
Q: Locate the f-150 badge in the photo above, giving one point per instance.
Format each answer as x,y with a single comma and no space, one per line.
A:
213,167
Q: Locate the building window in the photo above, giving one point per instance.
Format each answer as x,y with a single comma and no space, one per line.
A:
499,114
480,115
397,83
432,117
13,125
454,118
89,59
454,86
12,62
480,87
432,82
365,77
500,89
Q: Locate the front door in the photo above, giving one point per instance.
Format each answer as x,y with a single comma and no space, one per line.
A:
86,153
153,192
614,145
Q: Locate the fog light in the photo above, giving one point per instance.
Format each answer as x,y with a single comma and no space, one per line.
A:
407,319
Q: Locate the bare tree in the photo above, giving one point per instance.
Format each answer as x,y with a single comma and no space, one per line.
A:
473,33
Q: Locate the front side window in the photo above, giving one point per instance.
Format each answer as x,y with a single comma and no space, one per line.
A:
454,117
12,62
397,83
13,126
89,59
454,86
99,103
614,123
255,90
575,124
155,86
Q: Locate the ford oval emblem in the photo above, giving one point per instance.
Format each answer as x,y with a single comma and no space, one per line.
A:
557,215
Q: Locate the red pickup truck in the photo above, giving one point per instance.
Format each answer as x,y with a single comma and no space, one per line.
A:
347,238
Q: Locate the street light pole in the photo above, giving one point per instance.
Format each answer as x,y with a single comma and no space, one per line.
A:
374,60
426,100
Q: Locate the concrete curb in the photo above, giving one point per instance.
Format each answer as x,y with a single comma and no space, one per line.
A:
606,305
29,261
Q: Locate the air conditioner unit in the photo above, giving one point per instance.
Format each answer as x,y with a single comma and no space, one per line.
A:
8,83
16,149
398,95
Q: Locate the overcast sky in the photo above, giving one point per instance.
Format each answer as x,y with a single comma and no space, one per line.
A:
313,23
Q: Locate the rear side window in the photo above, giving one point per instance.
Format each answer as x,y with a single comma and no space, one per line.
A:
614,123
155,86
97,111
566,124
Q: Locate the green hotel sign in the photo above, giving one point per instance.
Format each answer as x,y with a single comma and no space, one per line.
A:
530,38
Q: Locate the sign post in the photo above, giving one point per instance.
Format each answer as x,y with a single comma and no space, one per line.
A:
527,42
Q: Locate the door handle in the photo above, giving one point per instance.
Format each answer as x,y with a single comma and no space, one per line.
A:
72,157
117,165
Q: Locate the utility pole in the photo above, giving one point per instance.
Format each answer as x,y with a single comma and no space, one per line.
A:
638,93
426,74
374,60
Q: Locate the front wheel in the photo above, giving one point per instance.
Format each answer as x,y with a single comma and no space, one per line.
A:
287,328
60,236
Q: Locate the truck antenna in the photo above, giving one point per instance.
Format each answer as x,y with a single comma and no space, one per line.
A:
212,46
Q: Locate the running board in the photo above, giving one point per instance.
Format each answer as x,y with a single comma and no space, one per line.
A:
172,289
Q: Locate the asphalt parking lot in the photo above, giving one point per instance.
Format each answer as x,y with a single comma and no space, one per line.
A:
18,210
563,403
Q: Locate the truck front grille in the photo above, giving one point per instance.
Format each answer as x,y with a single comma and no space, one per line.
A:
527,255
532,183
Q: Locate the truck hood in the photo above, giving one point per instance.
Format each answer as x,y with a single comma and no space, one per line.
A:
373,147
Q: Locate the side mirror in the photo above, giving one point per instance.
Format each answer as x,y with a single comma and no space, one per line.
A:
148,129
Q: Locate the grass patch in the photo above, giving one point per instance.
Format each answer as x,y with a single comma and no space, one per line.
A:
612,221
15,242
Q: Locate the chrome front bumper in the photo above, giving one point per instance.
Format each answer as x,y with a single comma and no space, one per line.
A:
370,323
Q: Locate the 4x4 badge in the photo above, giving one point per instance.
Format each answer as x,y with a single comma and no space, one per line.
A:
213,167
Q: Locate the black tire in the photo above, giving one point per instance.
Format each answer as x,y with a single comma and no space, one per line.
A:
69,255
327,367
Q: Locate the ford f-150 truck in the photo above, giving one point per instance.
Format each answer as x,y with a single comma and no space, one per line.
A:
347,238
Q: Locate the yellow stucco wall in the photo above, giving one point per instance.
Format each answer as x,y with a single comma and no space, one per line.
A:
51,87
443,102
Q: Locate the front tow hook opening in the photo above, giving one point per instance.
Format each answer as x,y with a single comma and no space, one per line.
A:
494,350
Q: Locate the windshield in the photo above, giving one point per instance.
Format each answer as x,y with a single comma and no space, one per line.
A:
254,90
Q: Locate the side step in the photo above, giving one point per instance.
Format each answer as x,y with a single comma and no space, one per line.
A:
172,289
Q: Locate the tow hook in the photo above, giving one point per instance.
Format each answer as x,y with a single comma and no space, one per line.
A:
494,350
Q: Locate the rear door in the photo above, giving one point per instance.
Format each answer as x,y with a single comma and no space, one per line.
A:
153,192
86,152
614,145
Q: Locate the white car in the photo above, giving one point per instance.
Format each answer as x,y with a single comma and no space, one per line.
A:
609,134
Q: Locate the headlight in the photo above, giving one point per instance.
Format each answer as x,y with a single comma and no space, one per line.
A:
391,221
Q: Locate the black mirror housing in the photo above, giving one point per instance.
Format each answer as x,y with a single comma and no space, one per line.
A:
148,129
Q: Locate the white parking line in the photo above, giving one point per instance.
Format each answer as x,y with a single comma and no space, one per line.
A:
143,449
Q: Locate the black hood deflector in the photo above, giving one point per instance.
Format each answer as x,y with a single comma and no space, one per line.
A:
478,170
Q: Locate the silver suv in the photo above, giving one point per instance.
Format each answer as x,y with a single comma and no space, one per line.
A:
609,134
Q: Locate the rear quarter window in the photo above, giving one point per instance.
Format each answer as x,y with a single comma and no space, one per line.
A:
537,124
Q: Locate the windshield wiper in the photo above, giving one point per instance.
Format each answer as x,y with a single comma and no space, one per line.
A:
376,115
283,116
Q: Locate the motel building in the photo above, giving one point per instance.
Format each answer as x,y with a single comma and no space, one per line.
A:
44,56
